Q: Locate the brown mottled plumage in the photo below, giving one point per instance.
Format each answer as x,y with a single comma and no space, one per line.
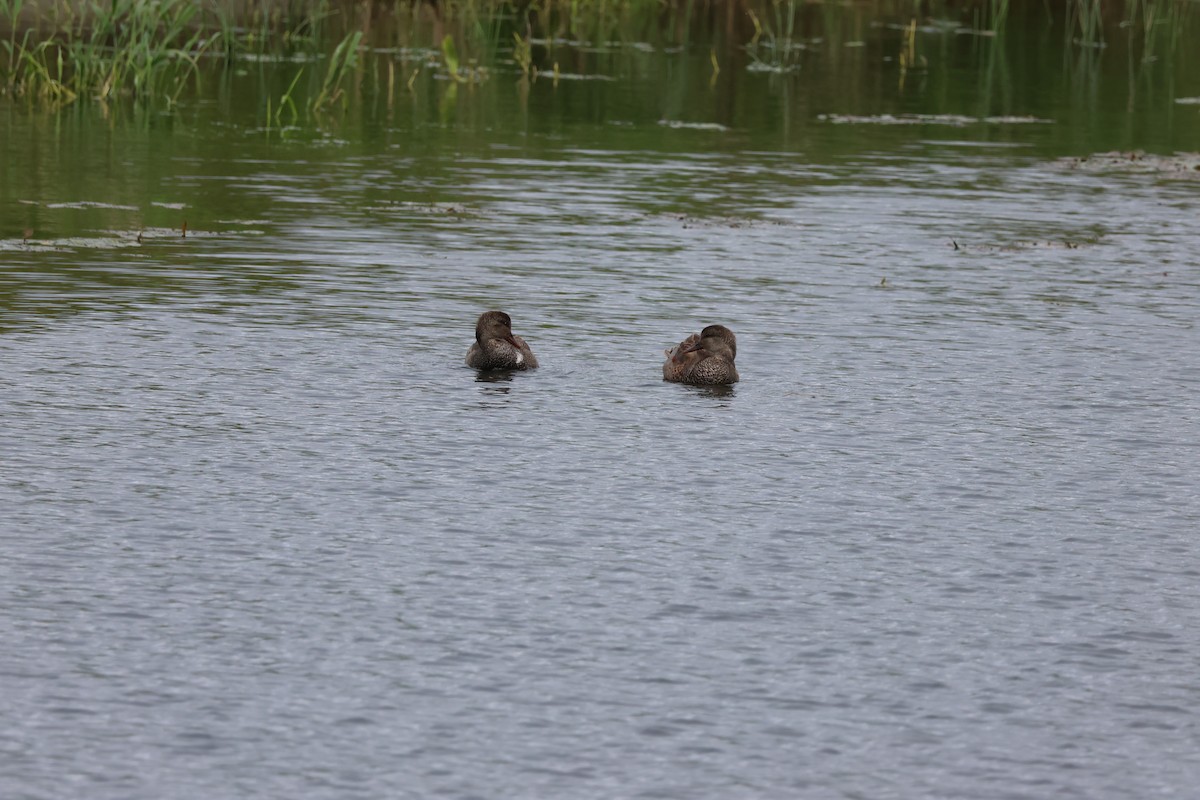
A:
496,347
704,359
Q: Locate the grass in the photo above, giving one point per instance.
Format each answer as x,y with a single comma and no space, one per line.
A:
344,59
1087,22
145,49
152,50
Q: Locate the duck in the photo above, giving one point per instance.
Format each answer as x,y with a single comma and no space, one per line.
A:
496,347
703,359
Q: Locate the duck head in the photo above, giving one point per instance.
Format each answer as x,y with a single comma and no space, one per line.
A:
495,325
717,340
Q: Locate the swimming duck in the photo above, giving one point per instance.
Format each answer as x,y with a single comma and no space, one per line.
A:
496,347
704,359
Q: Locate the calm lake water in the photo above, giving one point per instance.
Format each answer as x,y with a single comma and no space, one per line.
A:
264,535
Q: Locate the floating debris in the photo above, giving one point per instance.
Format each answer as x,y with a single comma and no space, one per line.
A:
696,126
108,240
409,54
778,69
125,238
271,58
83,204
1176,165
1045,244
576,76
690,221
444,209
953,120
1017,120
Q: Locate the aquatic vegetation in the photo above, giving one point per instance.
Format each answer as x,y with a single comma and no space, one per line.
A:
143,47
285,102
522,53
1087,27
450,57
774,41
146,49
155,50
908,52
999,15
345,57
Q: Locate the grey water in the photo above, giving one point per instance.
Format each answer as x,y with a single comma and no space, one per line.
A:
264,534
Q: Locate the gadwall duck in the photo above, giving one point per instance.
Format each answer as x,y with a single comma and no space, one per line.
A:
704,359
496,347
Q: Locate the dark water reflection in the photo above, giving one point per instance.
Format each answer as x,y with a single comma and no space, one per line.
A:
264,533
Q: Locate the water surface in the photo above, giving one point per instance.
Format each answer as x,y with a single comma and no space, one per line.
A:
266,535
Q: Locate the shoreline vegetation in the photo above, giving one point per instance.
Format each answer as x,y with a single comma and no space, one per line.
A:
55,52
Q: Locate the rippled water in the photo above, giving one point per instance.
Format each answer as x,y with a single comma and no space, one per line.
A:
266,535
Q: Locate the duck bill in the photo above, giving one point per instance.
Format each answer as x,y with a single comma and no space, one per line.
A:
513,341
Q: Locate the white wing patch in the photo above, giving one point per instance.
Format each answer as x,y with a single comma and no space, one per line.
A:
520,357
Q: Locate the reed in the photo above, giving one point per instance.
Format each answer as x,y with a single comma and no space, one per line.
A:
522,53
999,15
59,51
343,60
774,44
286,101
1086,26
146,49
1161,25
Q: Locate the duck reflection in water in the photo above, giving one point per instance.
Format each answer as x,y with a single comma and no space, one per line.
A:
496,347
703,359
723,393
494,383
